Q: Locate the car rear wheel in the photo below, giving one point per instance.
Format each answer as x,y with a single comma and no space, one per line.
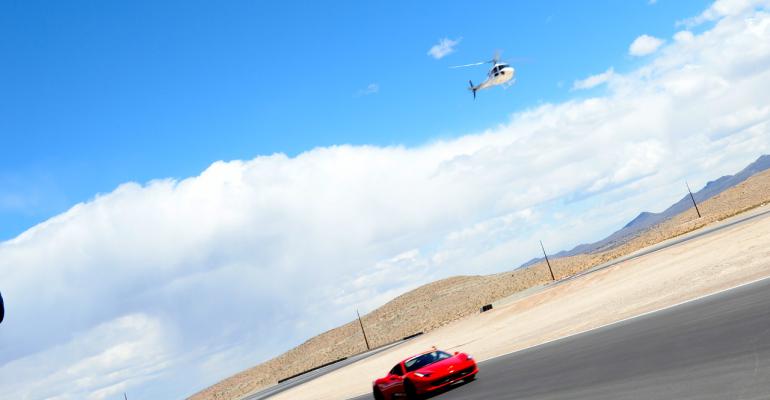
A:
377,394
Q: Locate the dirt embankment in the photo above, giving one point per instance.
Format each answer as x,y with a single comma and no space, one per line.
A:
747,195
441,302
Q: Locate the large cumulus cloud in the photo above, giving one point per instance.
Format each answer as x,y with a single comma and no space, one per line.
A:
162,288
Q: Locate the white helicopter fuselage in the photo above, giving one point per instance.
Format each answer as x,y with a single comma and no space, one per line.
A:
498,75
501,73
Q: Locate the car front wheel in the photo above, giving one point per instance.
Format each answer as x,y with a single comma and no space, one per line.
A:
411,391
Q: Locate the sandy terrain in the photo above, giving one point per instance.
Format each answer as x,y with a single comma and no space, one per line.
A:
725,259
440,303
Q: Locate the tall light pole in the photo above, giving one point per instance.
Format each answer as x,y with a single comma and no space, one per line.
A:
547,262
692,198
362,330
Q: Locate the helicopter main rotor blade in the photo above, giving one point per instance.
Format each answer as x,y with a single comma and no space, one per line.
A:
469,65
497,57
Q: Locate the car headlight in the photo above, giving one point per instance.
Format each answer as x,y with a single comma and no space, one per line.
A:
421,375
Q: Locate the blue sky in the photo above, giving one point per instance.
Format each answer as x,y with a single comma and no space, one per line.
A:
95,94
289,162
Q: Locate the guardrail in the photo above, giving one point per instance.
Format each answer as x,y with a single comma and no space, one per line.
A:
312,369
411,336
405,338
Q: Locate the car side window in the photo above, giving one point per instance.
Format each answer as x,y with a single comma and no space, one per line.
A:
396,370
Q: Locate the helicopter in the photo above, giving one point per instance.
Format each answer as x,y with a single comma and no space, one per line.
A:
500,74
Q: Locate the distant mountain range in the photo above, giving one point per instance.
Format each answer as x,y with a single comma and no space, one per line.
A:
646,219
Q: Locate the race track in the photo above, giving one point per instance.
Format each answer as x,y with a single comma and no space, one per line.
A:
716,348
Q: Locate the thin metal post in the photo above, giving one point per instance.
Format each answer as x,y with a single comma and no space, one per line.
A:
362,330
547,262
692,198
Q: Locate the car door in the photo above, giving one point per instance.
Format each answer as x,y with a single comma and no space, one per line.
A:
394,382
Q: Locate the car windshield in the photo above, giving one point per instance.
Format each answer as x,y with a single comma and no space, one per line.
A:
425,359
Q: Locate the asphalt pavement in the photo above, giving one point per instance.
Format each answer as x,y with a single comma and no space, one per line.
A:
713,348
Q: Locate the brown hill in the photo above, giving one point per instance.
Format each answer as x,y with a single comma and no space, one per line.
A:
438,303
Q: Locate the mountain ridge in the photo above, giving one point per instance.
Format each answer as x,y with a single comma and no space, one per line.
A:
647,219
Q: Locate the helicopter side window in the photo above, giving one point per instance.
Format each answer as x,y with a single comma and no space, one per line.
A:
495,71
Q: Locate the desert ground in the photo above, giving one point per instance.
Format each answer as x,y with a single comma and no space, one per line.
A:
448,309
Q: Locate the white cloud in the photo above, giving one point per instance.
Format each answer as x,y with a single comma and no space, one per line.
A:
644,45
684,36
98,364
372,88
593,80
443,48
724,8
205,276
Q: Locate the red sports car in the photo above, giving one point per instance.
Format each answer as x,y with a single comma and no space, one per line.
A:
423,374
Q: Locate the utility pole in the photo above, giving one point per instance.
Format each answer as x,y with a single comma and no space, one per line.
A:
362,330
692,198
547,262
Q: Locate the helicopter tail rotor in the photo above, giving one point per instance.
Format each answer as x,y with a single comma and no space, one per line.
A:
472,89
